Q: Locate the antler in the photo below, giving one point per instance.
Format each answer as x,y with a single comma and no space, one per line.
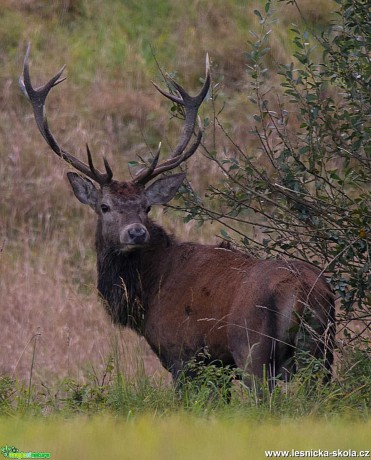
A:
179,154
37,97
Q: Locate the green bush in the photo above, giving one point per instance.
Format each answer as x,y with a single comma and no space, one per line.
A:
302,187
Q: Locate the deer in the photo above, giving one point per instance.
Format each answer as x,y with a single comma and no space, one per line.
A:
185,297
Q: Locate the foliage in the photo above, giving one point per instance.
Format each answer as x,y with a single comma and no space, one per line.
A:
6,393
205,385
210,391
305,189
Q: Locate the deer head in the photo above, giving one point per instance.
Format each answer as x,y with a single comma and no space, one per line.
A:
122,206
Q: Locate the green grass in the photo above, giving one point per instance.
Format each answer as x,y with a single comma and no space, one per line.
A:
178,437
116,392
114,417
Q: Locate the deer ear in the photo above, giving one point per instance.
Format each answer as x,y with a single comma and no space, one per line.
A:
83,189
164,189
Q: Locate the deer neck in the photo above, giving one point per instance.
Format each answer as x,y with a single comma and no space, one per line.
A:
126,280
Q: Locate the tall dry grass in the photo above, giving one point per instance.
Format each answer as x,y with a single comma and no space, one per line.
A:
43,300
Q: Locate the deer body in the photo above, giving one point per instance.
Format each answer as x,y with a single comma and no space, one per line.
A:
185,297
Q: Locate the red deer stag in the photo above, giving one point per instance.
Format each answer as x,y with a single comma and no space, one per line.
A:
187,297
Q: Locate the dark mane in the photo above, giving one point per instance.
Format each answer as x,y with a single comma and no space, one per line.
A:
121,276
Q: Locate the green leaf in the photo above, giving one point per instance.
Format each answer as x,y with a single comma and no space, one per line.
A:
224,233
257,13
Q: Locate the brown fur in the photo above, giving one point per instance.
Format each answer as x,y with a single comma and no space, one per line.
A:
185,297
239,308
125,189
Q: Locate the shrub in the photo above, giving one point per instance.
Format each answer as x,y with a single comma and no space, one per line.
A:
304,190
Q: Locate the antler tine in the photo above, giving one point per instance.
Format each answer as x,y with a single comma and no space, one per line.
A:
99,177
172,163
37,97
191,105
144,175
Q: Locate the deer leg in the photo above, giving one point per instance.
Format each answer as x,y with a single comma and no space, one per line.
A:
255,355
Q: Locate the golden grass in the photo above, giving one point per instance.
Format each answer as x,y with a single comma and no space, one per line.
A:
71,329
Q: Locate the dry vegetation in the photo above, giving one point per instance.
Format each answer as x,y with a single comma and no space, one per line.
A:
47,261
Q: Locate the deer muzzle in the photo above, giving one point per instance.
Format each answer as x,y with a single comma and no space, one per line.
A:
134,235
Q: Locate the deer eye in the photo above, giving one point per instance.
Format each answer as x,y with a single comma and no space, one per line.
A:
105,208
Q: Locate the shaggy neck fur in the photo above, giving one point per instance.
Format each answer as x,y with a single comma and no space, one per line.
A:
126,280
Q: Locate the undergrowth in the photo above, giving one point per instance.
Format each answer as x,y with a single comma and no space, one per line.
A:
207,393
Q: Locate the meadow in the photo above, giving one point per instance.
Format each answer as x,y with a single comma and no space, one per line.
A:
185,437
66,373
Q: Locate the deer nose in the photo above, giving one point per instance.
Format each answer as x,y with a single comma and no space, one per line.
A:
137,234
